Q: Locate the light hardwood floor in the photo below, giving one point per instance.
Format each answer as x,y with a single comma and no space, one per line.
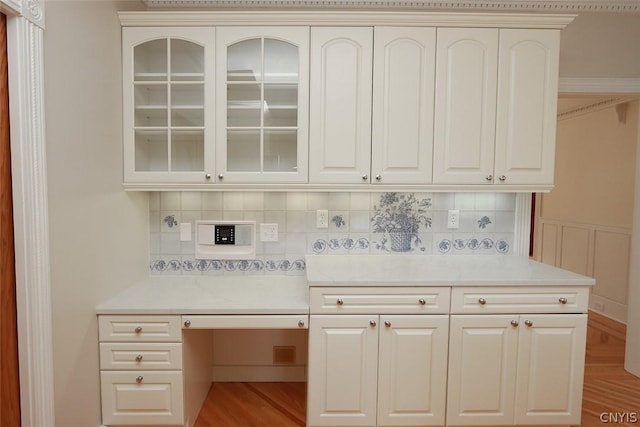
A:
608,388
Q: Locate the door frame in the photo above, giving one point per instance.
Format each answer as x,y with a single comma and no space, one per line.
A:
25,26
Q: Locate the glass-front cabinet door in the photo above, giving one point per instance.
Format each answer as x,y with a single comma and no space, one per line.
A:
168,95
262,104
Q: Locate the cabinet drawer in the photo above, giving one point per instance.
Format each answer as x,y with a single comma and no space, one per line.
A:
141,397
513,299
379,300
267,321
140,328
128,356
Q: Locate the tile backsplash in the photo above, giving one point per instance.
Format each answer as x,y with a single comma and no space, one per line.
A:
359,223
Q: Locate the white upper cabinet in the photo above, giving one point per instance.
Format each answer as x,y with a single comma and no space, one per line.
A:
340,110
465,106
403,93
168,104
527,98
262,81
495,119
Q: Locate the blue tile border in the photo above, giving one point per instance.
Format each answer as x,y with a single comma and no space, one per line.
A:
175,265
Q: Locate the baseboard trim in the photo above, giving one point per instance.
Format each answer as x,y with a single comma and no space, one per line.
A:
606,324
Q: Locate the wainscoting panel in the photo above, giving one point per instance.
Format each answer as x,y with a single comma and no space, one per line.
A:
593,250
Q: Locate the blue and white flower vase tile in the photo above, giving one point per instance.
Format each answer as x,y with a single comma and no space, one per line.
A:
400,217
170,222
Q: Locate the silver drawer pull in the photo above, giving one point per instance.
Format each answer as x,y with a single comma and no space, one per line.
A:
562,300
301,323
372,323
387,323
139,358
422,301
139,379
529,323
138,329
339,301
187,323
515,323
482,301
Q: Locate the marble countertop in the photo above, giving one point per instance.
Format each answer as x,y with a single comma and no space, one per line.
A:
459,270
212,295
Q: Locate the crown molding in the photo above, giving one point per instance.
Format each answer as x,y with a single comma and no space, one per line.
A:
350,18
561,6
571,85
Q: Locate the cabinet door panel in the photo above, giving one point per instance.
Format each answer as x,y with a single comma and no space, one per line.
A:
466,70
526,111
340,104
412,377
482,370
403,91
550,369
262,104
343,363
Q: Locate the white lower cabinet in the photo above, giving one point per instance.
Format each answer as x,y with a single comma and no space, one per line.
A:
516,369
377,369
141,372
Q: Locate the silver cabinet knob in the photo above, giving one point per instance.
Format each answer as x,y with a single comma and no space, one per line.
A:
502,178
489,178
301,323
365,177
387,323
529,323
187,323
339,301
138,329
139,358
514,323
372,323
482,301
562,300
139,379
220,176
208,176
378,178
422,301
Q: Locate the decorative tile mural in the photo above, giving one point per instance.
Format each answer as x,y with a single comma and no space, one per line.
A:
359,223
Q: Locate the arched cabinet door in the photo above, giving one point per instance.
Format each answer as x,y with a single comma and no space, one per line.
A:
403,93
262,80
526,112
340,110
168,98
465,106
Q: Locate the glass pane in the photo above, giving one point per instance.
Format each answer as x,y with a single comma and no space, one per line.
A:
187,151
152,153
243,150
187,60
187,105
150,61
281,105
150,104
243,105
280,61
244,61
280,151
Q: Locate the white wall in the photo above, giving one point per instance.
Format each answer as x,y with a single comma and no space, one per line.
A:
99,233
601,45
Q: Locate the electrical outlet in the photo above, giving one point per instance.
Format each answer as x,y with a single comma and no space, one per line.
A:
453,219
322,218
268,232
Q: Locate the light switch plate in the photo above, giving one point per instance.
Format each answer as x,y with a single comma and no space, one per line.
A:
185,231
268,232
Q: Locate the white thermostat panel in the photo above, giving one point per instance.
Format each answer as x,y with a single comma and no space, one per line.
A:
225,239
